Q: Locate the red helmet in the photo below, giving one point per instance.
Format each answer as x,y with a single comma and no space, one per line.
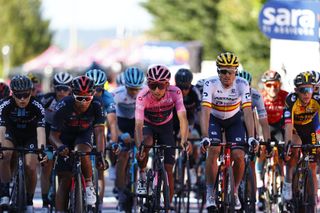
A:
82,85
158,73
4,90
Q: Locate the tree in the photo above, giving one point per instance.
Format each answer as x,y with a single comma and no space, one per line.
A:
221,25
23,29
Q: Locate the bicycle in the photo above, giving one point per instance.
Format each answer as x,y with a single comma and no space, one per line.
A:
302,181
247,193
273,179
18,196
224,183
157,181
182,181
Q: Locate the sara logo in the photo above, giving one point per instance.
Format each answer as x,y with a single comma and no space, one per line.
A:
293,20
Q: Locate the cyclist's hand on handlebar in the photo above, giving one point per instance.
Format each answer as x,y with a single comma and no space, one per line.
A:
101,162
116,148
63,150
43,157
140,154
125,137
287,152
205,142
254,144
187,146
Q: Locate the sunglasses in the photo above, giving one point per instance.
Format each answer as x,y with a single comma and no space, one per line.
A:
60,88
275,85
184,86
99,89
82,98
225,71
305,90
154,86
23,95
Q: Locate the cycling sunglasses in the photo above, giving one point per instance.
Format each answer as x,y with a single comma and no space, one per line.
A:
224,71
305,90
60,88
274,84
184,86
23,95
154,86
82,98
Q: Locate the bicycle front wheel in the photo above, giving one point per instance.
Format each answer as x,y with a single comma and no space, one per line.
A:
246,191
77,196
228,191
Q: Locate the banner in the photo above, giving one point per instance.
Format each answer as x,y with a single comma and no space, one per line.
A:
291,20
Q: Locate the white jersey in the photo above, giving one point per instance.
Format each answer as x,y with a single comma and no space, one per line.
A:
258,104
125,104
225,103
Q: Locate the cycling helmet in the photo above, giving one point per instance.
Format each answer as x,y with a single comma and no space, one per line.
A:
62,78
304,78
82,85
98,76
158,73
270,75
183,76
246,75
4,90
133,77
227,59
120,79
33,78
20,83
316,76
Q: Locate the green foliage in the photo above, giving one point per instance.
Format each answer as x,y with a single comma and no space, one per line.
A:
221,25
23,29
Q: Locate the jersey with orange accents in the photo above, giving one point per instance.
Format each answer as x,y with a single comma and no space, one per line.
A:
225,103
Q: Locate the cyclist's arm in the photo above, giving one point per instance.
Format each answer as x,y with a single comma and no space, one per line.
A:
288,132
248,120
99,137
54,137
41,137
204,122
265,128
138,133
112,124
182,115
2,133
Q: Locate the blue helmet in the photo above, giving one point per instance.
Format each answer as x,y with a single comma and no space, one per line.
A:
133,77
98,76
246,75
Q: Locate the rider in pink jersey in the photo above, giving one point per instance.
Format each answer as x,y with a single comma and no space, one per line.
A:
154,115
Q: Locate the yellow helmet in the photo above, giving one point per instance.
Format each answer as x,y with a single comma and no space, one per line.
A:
33,78
227,59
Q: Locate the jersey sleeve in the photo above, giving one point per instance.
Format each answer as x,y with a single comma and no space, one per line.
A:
100,118
245,93
108,102
287,112
4,115
40,112
140,105
58,116
259,105
207,89
179,101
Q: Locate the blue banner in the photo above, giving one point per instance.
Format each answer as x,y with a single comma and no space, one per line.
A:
291,20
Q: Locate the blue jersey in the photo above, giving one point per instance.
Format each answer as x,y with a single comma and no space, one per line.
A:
67,120
108,102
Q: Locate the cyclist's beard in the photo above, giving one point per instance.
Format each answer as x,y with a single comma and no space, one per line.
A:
82,106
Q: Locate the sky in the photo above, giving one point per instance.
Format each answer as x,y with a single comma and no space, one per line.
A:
95,14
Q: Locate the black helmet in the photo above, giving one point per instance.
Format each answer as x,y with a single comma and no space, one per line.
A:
20,83
82,85
270,75
183,76
304,78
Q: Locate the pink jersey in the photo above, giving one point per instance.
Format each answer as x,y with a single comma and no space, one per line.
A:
158,112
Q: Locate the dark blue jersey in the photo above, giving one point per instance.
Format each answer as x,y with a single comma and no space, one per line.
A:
67,120
22,122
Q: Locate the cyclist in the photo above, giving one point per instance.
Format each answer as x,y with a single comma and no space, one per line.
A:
62,88
36,90
274,101
125,99
21,124
260,114
76,119
120,80
222,98
99,77
301,126
4,90
153,115
317,79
